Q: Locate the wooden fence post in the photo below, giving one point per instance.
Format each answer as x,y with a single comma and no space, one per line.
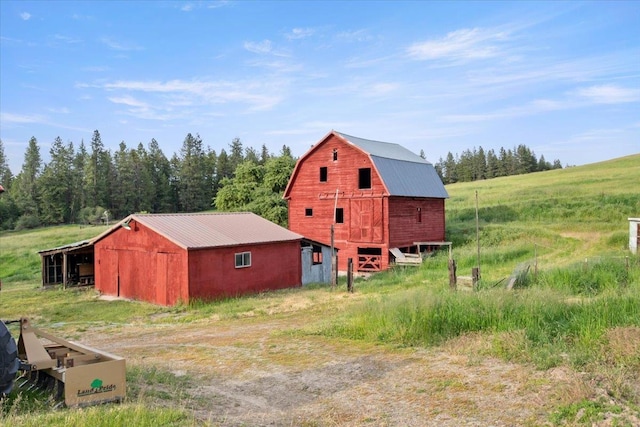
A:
350,274
453,279
475,276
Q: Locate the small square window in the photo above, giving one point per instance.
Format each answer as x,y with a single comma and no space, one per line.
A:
243,259
339,216
308,212
419,216
323,174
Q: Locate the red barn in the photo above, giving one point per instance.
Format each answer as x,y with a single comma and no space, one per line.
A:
171,258
381,198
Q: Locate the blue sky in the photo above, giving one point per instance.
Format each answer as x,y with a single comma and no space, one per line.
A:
561,78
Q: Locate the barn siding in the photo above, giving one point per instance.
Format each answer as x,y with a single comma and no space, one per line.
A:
128,264
404,228
212,272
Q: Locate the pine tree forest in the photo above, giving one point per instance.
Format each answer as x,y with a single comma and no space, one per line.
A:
92,185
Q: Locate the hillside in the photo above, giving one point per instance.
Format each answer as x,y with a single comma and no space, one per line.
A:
562,349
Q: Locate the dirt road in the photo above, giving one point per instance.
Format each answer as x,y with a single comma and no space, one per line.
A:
261,372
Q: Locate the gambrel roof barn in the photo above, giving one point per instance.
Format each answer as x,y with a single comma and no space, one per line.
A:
381,198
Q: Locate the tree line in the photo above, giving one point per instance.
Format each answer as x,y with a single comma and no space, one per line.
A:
89,185
92,185
473,165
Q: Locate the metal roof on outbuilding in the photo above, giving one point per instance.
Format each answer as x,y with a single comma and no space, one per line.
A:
205,230
403,172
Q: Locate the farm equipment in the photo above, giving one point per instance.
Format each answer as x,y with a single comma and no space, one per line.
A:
75,374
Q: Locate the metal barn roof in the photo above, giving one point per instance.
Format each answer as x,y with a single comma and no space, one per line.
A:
207,230
403,172
204,230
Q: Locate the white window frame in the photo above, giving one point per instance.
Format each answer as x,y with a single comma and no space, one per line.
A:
245,259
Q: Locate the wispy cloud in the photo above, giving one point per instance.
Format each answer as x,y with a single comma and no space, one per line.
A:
351,36
257,94
263,47
25,16
300,33
66,39
464,44
609,94
20,118
120,46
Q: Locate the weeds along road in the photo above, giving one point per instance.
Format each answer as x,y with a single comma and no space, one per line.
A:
260,371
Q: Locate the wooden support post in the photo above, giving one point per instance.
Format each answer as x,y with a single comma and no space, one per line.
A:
475,276
334,262
453,279
350,274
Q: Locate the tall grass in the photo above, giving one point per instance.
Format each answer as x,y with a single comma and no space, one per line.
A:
568,313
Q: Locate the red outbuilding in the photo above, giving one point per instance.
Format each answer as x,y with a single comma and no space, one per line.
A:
383,200
171,258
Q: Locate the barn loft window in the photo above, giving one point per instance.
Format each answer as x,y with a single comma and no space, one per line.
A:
364,178
335,154
317,254
339,216
323,174
419,215
243,259
308,212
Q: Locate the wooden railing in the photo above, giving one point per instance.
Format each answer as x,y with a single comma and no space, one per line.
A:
369,262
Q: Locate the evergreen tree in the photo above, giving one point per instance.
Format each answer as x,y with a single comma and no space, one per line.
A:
479,164
79,191
124,198
236,154
98,174
5,173
57,184
192,195
251,155
492,164
264,154
27,196
9,212
450,169
159,172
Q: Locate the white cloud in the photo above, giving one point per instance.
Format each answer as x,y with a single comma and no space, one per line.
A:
128,100
262,47
257,94
464,44
300,33
187,7
25,16
609,94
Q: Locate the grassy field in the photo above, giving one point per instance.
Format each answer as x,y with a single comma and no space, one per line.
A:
580,312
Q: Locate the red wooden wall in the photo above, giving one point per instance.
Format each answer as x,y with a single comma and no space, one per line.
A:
404,228
141,264
213,274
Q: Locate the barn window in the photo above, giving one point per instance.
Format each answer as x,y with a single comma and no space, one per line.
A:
308,212
243,259
339,215
335,154
323,174
317,254
419,215
364,178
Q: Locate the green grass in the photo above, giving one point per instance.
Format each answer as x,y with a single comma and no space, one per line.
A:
571,224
